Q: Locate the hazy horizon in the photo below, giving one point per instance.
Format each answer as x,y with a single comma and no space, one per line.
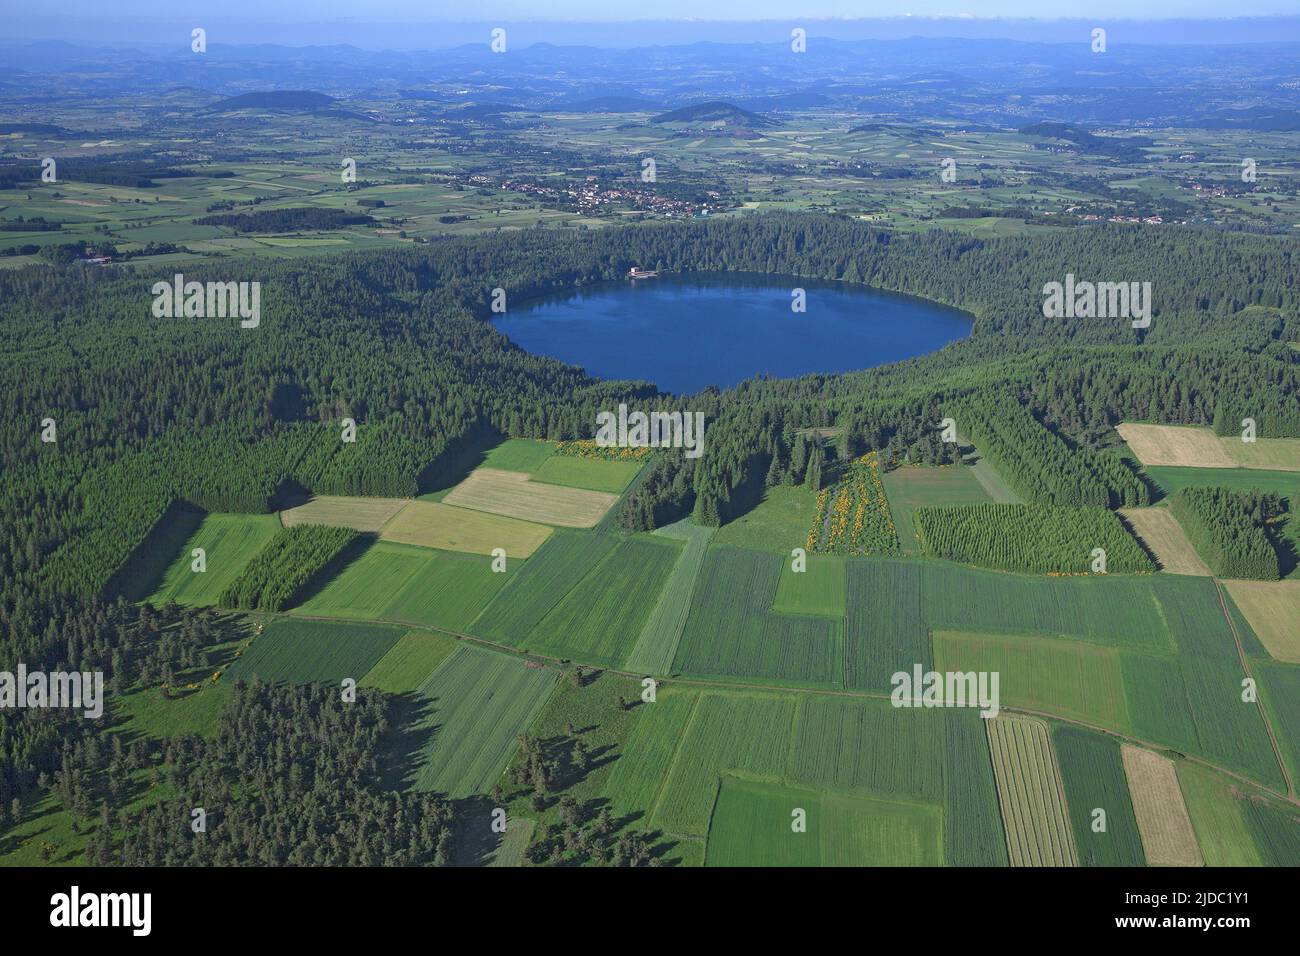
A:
384,29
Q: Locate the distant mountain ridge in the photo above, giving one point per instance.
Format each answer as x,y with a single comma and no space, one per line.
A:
276,100
712,112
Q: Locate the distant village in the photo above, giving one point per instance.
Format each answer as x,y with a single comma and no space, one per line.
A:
590,197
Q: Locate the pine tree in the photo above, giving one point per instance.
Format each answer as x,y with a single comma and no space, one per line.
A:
774,473
799,459
814,479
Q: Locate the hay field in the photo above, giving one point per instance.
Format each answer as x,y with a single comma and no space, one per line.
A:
1031,793
514,494
1277,454
1164,537
1192,446
1175,445
1167,835
433,525
359,514
1272,609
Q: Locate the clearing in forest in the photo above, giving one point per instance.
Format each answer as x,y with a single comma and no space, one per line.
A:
1163,536
339,511
229,542
1167,835
920,486
433,525
1193,446
1184,445
516,495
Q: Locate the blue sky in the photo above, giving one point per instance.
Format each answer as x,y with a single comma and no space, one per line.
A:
434,24
425,11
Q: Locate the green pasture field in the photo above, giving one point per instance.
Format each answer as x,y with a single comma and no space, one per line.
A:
732,631
752,826
512,849
1092,772
452,590
779,522
862,745
1194,706
1072,679
1279,691
307,652
656,646
742,734
912,487
1121,611
591,474
819,589
520,454
189,712
555,568
411,584
688,740
600,619
368,586
974,831
1217,807
409,662
1276,832
637,776
230,541
884,629
467,716
1171,478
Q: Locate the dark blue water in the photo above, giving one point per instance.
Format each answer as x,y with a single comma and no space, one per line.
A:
684,333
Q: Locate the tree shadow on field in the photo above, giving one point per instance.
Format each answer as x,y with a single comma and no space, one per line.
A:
332,569
290,494
1288,558
458,459
411,733
561,750
747,496
476,841
146,567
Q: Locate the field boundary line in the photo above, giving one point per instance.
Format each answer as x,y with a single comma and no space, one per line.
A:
702,682
1060,789
672,762
505,587
1263,712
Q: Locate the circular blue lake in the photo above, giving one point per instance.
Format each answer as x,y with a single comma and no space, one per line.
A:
686,332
